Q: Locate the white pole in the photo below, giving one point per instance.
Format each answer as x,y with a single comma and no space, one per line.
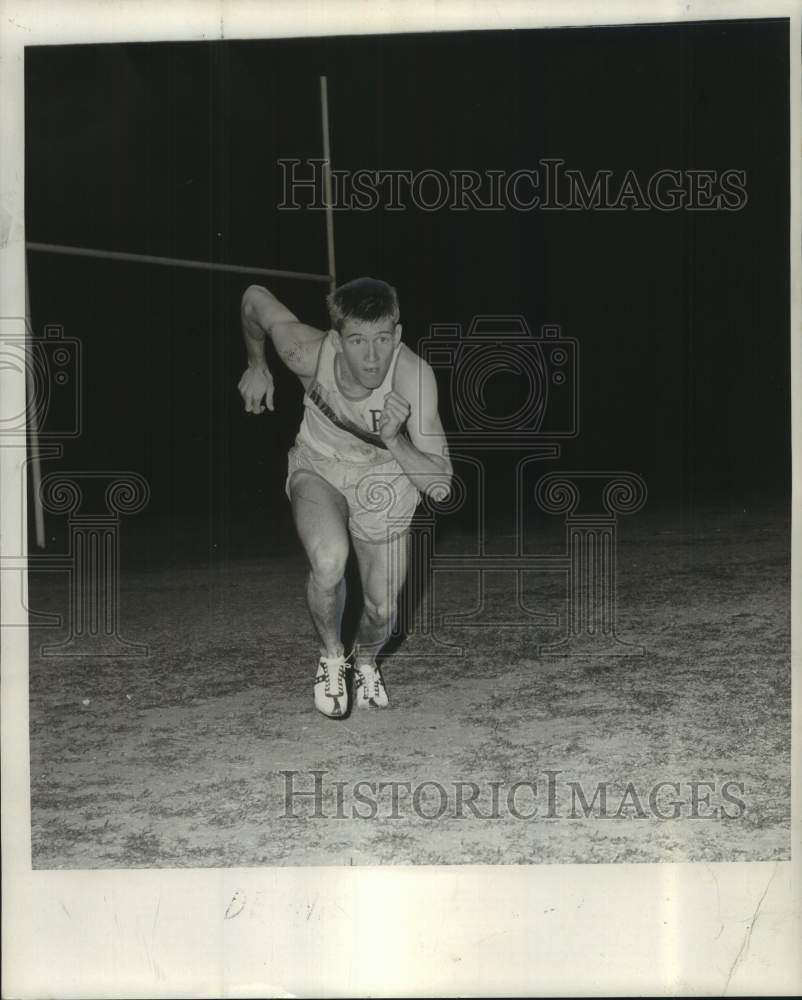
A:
33,422
324,110
143,258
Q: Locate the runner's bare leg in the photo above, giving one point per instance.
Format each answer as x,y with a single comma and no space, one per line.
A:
321,519
382,568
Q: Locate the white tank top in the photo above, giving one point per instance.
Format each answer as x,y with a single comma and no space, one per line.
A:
338,427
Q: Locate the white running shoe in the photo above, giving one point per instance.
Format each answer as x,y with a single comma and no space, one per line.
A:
331,691
369,689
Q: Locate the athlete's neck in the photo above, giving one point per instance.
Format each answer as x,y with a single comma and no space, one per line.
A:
348,385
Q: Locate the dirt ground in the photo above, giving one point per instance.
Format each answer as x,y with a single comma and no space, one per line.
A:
176,759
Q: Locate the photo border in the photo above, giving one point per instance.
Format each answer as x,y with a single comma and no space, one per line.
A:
462,930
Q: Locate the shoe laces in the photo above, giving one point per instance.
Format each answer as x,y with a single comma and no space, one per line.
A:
370,677
329,663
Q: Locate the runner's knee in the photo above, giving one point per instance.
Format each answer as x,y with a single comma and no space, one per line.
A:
327,562
380,613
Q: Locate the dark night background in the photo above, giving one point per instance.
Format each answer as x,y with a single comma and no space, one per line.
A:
172,149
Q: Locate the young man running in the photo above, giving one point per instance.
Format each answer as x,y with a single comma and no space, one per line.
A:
370,443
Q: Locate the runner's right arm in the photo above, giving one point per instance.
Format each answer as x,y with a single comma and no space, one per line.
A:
296,344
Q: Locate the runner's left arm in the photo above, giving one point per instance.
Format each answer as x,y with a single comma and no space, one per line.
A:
423,454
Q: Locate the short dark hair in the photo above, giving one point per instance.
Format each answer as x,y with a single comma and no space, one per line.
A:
365,299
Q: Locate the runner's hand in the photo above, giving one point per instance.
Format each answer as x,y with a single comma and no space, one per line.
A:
394,415
256,389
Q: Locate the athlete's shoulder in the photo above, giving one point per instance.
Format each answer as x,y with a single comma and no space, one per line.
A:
299,346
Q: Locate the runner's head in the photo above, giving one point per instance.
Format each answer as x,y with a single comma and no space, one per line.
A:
364,299
364,314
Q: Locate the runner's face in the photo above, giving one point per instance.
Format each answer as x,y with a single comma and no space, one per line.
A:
368,349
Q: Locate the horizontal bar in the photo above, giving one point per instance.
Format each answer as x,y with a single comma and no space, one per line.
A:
140,258
44,561
497,562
